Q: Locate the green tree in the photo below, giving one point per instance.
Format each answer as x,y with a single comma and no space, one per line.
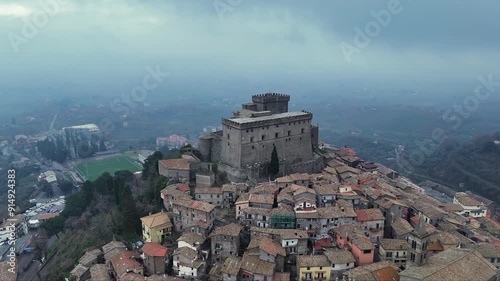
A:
274,165
128,209
104,184
215,168
150,166
66,186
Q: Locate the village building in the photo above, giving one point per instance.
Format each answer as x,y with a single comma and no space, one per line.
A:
372,221
394,250
354,239
156,257
188,213
211,195
225,241
341,260
472,207
156,227
170,193
314,267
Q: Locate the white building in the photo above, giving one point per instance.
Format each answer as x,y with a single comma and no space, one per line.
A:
472,207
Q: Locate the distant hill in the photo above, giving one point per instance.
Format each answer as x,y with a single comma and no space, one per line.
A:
473,166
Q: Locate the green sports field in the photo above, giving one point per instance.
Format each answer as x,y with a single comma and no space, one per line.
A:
91,170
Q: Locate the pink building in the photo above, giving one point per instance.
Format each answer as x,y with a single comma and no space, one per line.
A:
352,238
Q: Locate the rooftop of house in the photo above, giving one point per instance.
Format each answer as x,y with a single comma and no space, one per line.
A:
401,226
186,252
428,210
466,200
208,190
194,204
267,245
99,272
79,270
453,264
232,229
313,261
113,245
452,208
126,262
283,210
285,234
155,250
299,177
160,219
192,238
46,216
265,189
285,179
6,271
373,214
338,256
256,211
355,235
393,244
488,250
175,164
378,271
232,265
267,199
480,198
281,276
325,189
387,203
246,120
89,256
336,212
254,265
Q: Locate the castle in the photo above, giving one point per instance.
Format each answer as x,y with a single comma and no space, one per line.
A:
243,148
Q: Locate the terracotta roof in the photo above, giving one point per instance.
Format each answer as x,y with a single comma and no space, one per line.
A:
387,203
265,188
79,270
386,274
355,234
367,272
255,265
428,210
336,212
434,246
99,272
113,245
175,164
313,261
208,190
336,256
281,276
125,262
453,264
194,204
6,272
283,233
307,215
283,210
267,245
232,229
156,220
42,217
393,244
325,189
299,177
401,226
323,243
452,208
191,238
155,250
467,200
285,179
243,198
261,199
256,211
232,265
489,250
369,215
186,252
89,256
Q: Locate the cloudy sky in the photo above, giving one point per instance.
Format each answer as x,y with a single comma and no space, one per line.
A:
108,43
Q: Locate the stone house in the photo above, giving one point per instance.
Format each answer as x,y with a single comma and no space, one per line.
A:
156,227
294,241
354,239
255,217
267,250
188,212
211,195
341,260
170,193
372,221
225,241
330,217
394,250
156,257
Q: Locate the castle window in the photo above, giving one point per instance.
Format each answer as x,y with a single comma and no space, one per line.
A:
302,130
277,126
228,136
253,147
247,131
263,137
251,139
267,127
289,133
228,144
276,135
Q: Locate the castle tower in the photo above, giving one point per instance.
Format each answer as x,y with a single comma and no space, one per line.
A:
276,103
417,243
